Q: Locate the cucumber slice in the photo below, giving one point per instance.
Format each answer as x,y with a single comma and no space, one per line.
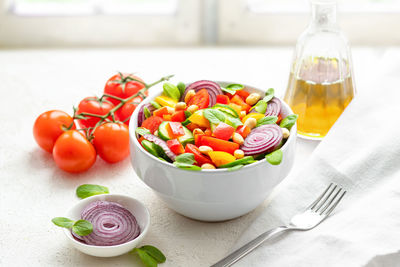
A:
162,131
226,109
149,146
187,138
242,161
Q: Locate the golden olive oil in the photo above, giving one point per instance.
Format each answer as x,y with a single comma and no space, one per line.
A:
319,93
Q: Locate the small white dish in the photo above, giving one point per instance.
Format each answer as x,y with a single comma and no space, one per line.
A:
134,206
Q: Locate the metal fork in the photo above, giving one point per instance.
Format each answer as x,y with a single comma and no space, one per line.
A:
318,211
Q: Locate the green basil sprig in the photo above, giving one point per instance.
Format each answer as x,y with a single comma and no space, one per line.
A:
260,107
79,227
150,256
267,120
269,94
171,91
289,121
275,157
214,116
232,88
232,121
87,190
186,161
235,168
155,104
181,86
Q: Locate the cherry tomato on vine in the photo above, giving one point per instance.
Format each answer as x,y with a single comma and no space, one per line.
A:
73,152
111,141
49,126
95,106
125,112
123,86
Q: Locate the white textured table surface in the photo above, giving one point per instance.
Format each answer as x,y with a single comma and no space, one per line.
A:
34,190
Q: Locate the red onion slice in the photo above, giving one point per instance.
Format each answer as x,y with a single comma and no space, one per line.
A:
212,88
274,107
262,139
112,224
156,140
141,116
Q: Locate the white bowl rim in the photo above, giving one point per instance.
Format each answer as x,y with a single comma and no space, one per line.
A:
143,232
158,91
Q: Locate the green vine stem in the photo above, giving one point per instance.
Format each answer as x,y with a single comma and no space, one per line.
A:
89,131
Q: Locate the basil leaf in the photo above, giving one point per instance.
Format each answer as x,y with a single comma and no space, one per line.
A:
147,112
242,161
267,120
275,157
187,158
187,166
236,167
181,87
155,104
235,86
289,121
214,115
171,91
142,131
227,90
269,94
186,122
260,107
87,190
232,121
148,260
63,222
187,114
155,253
82,227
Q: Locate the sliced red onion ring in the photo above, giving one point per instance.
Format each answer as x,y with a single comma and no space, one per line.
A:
112,224
274,107
141,116
212,88
156,140
262,139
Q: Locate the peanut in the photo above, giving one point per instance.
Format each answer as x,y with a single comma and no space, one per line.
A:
207,166
237,138
242,114
189,95
285,133
198,131
170,109
205,149
180,106
251,123
238,153
252,99
192,108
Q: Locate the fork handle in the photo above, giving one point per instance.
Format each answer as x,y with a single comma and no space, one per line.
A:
246,249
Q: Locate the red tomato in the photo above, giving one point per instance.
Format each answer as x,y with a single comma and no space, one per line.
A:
123,87
48,127
198,157
222,99
125,112
223,131
152,123
175,129
161,112
73,152
111,141
201,99
175,146
95,106
178,116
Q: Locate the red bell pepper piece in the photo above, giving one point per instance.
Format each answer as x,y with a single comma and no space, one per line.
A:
178,116
236,99
160,112
198,157
152,123
243,130
223,99
175,129
218,144
243,94
223,131
197,138
175,146
208,132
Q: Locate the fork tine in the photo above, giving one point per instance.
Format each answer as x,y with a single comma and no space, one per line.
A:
319,198
324,199
329,201
335,203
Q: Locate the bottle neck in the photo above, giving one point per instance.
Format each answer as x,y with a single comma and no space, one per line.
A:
323,14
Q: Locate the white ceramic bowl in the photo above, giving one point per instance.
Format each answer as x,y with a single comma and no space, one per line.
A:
134,206
211,195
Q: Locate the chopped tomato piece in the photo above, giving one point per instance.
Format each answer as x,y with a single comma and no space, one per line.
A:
201,99
243,130
279,119
178,116
208,132
167,117
223,131
218,144
160,112
192,126
152,123
175,129
222,99
239,101
243,94
198,157
197,138
175,146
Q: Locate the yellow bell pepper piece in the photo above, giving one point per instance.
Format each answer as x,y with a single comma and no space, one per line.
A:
256,116
220,158
199,119
165,101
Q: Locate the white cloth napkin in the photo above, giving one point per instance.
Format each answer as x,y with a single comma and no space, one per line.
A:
361,153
